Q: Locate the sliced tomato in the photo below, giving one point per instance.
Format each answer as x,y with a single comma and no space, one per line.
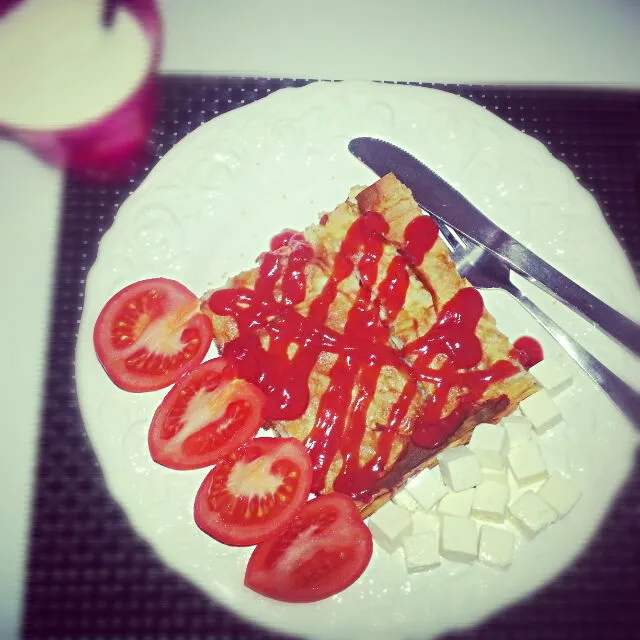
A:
254,492
325,548
207,414
150,333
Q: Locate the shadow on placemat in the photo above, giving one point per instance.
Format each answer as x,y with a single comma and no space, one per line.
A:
90,576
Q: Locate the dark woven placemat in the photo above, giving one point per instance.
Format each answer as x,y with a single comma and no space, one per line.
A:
90,576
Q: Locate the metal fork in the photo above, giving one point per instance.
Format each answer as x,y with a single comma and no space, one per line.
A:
486,271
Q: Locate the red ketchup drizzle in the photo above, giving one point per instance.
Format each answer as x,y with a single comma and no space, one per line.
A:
285,238
528,351
429,433
419,237
362,349
453,335
341,424
392,291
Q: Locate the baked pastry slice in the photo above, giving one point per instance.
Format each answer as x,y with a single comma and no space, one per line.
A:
324,359
369,345
469,370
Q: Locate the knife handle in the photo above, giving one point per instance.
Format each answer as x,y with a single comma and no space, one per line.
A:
536,270
627,398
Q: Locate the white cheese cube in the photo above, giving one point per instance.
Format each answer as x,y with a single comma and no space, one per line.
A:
531,514
457,503
490,501
425,522
489,443
541,410
389,525
460,468
552,376
489,475
518,430
496,547
427,488
459,539
421,552
527,464
560,493
404,500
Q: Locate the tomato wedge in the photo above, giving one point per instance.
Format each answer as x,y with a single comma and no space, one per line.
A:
325,548
206,415
150,333
254,492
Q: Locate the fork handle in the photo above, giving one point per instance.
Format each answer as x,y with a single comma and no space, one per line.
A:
600,314
627,399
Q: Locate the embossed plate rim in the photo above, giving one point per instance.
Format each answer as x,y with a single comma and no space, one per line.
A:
291,149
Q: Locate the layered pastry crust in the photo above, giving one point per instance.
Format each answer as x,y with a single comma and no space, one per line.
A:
357,311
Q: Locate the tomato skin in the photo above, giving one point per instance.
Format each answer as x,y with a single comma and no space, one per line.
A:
323,550
278,467
222,411
167,311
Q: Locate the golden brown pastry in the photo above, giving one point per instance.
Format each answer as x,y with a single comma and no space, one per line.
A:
370,346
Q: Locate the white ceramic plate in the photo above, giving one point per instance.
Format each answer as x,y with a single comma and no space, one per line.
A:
208,209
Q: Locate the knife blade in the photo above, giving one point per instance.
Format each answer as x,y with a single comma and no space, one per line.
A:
440,199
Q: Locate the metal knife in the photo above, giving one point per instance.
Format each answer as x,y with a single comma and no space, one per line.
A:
441,200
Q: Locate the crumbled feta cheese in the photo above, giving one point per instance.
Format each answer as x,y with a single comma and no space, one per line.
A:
457,503
460,468
459,539
552,376
490,501
518,430
427,488
527,464
559,493
389,524
489,443
541,410
404,500
531,514
421,552
496,547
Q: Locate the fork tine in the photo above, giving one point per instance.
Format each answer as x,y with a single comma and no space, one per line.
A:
445,234
461,239
449,236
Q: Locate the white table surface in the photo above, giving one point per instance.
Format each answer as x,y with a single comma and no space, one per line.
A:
569,42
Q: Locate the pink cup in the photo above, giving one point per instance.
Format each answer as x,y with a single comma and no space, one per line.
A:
113,146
